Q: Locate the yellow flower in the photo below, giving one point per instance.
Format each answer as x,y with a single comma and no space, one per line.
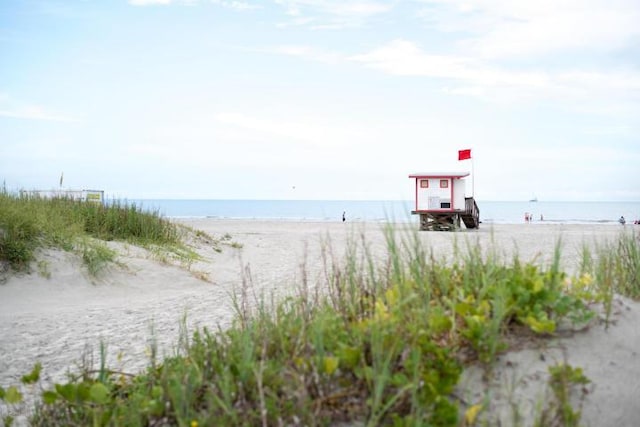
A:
471,414
392,295
381,311
330,364
484,307
538,285
194,423
586,279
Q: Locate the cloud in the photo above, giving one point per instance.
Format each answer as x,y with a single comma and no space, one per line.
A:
332,14
355,8
34,112
307,140
335,7
49,149
405,58
149,2
479,78
475,91
308,52
237,5
611,130
287,131
505,28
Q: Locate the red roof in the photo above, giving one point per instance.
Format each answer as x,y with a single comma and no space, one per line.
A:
439,175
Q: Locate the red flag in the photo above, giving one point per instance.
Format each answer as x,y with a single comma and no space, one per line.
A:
464,154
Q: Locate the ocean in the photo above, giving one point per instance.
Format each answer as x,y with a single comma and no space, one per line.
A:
389,210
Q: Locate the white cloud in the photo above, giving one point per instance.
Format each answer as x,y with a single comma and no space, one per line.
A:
296,22
231,4
404,58
478,77
149,2
51,149
336,7
357,8
476,91
612,130
299,130
309,53
237,5
34,112
332,14
505,28
606,81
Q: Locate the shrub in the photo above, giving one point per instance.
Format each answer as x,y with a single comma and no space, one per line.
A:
27,223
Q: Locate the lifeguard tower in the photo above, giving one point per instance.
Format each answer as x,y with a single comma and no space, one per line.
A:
441,201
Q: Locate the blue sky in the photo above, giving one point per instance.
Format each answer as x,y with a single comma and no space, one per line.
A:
317,99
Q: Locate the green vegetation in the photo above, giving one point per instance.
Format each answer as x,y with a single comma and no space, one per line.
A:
29,223
385,343
618,266
614,270
564,381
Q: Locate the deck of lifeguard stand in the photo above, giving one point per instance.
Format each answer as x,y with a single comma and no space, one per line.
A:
438,221
432,220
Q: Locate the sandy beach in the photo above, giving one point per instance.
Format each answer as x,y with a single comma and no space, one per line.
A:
60,315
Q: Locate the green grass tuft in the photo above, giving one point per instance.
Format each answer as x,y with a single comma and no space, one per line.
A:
29,223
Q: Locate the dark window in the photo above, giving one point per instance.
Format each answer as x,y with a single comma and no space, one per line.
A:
444,183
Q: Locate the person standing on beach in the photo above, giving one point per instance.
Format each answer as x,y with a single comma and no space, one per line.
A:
344,218
622,220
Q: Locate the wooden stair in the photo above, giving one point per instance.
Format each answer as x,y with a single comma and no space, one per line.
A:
471,215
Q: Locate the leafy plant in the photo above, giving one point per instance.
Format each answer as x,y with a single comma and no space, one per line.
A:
96,256
563,381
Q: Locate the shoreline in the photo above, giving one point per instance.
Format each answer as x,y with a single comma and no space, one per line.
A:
496,212
413,221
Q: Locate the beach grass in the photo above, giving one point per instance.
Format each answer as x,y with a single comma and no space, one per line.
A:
626,265
614,269
30,223
384,344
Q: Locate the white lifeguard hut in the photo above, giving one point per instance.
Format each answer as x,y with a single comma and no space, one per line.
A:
441,202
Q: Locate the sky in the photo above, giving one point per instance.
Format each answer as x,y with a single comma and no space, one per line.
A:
321,99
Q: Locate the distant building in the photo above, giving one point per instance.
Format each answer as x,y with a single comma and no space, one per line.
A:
441,203
96,196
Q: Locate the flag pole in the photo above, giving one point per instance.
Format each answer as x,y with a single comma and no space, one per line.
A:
473,180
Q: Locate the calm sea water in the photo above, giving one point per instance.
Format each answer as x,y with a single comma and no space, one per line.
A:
399,211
